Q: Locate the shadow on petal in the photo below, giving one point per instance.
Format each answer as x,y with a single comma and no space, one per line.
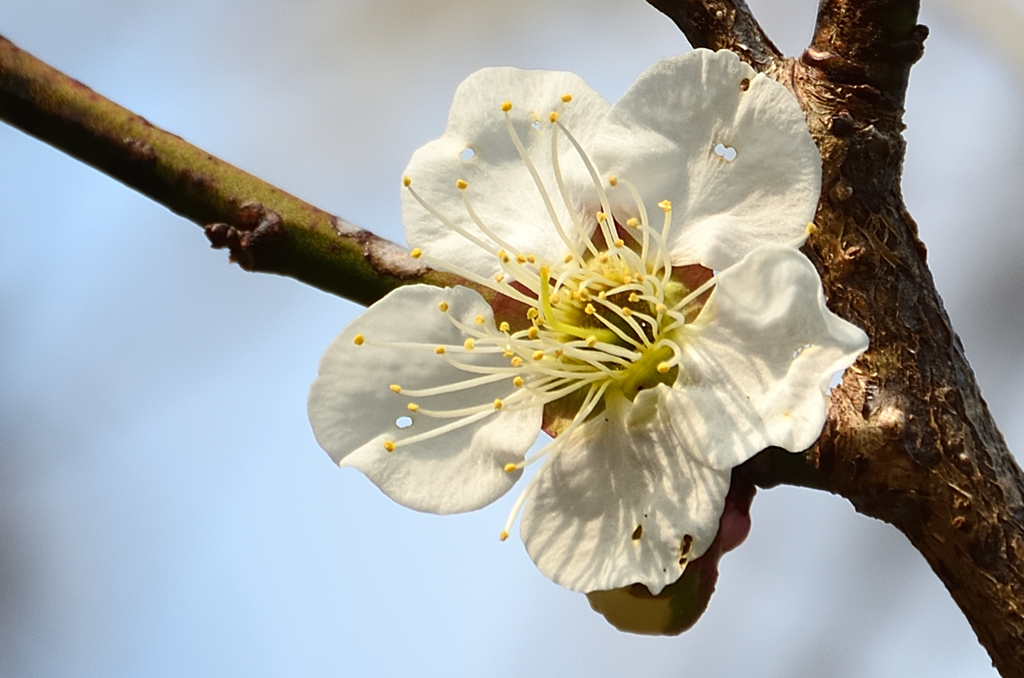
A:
679,605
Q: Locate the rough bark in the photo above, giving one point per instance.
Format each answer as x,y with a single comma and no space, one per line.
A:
909,438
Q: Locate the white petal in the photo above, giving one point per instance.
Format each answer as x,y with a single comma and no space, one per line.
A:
500,186
758,360
353,410
622,473
662,136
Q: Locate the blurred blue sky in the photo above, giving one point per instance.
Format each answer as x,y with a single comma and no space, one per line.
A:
164,509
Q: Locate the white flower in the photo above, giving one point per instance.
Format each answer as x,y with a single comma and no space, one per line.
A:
645,302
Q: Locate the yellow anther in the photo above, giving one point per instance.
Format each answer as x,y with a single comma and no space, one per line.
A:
532,259
503,536
537,355
626,312
509,468
479,320
443,307
469,344
601,216
613,180
665,205
389,446
406,181
521,258
439,350
589,309
602,294
503,255
663,368
533,332
627,279
517,361
504,326
499,277
507,353
461,184
555,299
358,340
416,253
583,294
591,341
567,259
619,242
518,382
633,222
553,116
506,106
396,388
532,313
661,308
412,407
566,98
812,228
633,297
603,257
539,322
498,404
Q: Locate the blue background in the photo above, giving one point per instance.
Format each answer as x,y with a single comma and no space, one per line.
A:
164,509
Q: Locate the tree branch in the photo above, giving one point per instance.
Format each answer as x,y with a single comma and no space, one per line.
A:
722,24
909,439
264,228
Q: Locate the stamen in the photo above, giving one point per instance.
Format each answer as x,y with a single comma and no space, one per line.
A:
642,211
549,452
601,194
462,185
497,286
454,387
441,430
358,340
533,171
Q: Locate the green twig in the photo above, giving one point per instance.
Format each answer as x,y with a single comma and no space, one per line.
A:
265,228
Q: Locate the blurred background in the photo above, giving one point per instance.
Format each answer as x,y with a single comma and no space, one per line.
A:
164,509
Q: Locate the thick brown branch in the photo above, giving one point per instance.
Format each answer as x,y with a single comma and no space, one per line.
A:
909,438
265,228
722,24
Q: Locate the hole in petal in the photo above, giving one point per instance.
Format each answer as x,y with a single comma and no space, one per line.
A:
467,153
638,532
724,152
744,84
403,422
836,379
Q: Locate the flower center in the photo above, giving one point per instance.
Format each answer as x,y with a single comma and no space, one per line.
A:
601,322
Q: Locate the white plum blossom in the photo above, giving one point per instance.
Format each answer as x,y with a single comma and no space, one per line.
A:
646,304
